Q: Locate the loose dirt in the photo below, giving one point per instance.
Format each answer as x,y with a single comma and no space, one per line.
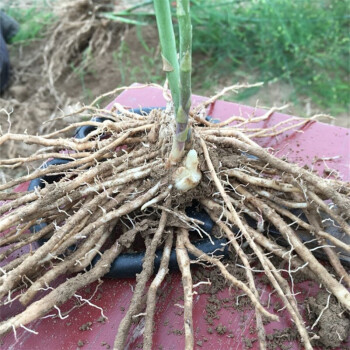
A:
334,324
332,328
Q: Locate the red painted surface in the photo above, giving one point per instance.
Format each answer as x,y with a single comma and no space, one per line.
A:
113,296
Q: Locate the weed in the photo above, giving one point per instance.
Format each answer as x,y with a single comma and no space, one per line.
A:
302,43
33,20
118,57
146,69
83,68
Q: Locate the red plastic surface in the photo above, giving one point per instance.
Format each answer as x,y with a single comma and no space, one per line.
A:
316,140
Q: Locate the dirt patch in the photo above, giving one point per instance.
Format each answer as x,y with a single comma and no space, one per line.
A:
333,327
86,326
280,339
217,284
221,329
80,344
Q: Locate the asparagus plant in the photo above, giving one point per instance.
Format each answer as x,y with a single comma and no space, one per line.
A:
104,185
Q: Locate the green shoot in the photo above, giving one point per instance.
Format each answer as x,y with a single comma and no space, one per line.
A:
168,47
185,30
178,73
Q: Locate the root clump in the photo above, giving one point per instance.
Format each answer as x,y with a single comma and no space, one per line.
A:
333,326
117,177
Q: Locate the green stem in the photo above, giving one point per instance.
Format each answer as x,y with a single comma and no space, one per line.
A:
185,29
168,46
178,74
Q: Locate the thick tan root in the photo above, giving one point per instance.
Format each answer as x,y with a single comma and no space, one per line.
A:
184,265
330,282
142,278
65,290
152,292
234,281
322,185
233,241
13,276
122,179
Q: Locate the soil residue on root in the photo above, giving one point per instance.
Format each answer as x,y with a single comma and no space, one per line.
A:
217,284
281,338
333,327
